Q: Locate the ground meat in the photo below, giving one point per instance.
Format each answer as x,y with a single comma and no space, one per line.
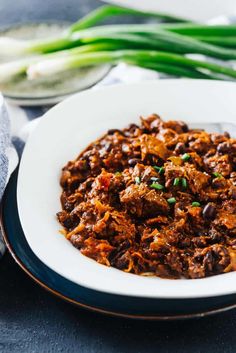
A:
151,146
211,260
155,199
219,164
98,250
199,141
140,201
225,222
196,180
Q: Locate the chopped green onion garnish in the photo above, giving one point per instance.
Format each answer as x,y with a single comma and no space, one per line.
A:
176,182
171,200
137,180
159,169
196,204
185,157
184,183
157,186
118,174
217,175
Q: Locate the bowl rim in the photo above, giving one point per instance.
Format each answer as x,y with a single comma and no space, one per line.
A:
187,290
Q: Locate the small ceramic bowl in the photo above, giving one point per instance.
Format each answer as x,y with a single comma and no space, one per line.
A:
53,89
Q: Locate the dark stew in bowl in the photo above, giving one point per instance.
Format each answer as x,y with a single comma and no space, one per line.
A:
157,198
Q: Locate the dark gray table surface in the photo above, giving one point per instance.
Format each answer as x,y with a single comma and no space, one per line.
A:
34,321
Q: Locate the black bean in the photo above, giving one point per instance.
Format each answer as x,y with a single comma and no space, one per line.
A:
224,147
233,192
180,148
133,161
226,134
113,131
184,126
133,127
215,235
68,223
209,211
131,130
108,146
218,183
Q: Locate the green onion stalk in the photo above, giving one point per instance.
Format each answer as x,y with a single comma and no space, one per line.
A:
178,37
15,47
145,58
175,70
165,40
107,11
158,47
114,51
9,70
194,29
227,42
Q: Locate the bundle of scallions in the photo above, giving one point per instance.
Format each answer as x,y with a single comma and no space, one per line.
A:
164,47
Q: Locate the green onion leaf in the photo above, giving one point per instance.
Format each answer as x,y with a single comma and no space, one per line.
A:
172,200
157,186
185,157
176,182
137,180
159,169
218,175
196,204
184,183
106,11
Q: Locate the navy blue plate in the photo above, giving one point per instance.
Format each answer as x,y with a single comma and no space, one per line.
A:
130,307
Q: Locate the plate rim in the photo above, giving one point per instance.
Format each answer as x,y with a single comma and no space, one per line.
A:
53,99
196,84
20,262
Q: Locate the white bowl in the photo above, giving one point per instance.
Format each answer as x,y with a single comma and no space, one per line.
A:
66,130
194,10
